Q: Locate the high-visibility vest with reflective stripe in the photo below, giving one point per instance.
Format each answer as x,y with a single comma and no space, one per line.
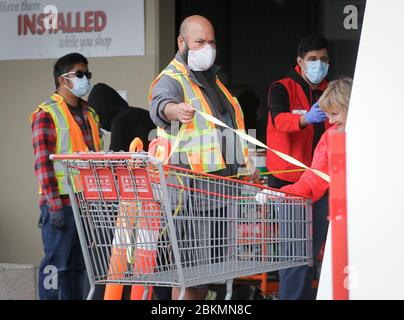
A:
203,148
69,138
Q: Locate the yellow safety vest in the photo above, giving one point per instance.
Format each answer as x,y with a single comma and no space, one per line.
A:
69,138
206,156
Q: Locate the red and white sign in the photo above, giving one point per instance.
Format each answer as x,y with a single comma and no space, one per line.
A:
134,184
37,29
91,184
99,186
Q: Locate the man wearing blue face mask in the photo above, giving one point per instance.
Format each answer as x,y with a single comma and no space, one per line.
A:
63,124
295,125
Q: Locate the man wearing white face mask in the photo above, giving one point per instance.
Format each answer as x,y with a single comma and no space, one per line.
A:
295,125
63,124
190,82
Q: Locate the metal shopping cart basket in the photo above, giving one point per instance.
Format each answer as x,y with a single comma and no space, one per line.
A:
142,223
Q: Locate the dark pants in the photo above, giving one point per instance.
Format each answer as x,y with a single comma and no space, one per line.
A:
61,272
296,283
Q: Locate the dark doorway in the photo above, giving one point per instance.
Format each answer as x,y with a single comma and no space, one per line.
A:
257,40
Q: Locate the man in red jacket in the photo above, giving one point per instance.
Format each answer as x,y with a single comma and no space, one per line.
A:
295,125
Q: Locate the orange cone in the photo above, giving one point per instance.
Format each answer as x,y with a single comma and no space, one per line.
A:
145,256
145,253
118,260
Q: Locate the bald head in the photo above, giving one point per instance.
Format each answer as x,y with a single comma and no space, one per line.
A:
195,33
195,23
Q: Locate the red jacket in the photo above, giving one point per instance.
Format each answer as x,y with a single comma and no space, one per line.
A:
310,184
284,133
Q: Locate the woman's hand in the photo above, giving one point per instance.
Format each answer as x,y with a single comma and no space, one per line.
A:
255,176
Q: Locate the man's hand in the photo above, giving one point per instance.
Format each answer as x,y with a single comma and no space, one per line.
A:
57,219
185,113
315,115
179,112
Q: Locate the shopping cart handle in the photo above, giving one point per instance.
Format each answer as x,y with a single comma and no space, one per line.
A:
97,156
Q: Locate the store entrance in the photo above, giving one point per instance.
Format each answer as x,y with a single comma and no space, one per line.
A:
257,41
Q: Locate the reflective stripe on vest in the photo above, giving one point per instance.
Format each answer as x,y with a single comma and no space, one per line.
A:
69,138
200,140
239,117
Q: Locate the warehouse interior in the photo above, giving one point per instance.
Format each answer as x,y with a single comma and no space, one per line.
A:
256,45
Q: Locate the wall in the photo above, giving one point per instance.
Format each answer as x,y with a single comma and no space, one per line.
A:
23,85
375,151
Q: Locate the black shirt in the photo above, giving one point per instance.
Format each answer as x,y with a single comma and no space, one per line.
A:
78,111
223,110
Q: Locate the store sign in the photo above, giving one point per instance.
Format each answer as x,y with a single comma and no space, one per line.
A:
342,19
38,29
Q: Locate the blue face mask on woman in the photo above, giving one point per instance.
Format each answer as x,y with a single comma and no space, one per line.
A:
81,86
316,71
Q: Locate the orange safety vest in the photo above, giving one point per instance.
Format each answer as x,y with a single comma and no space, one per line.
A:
203,148
69,138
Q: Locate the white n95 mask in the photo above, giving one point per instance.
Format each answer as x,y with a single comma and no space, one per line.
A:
202,59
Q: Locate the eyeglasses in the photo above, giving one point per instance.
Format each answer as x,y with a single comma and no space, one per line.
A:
79,74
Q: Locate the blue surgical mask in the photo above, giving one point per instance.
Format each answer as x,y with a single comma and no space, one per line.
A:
316,71
81,86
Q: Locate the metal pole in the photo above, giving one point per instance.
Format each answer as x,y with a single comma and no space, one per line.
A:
174,242
229,287
76,214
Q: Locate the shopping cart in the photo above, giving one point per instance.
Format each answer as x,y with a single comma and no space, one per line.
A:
140,222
